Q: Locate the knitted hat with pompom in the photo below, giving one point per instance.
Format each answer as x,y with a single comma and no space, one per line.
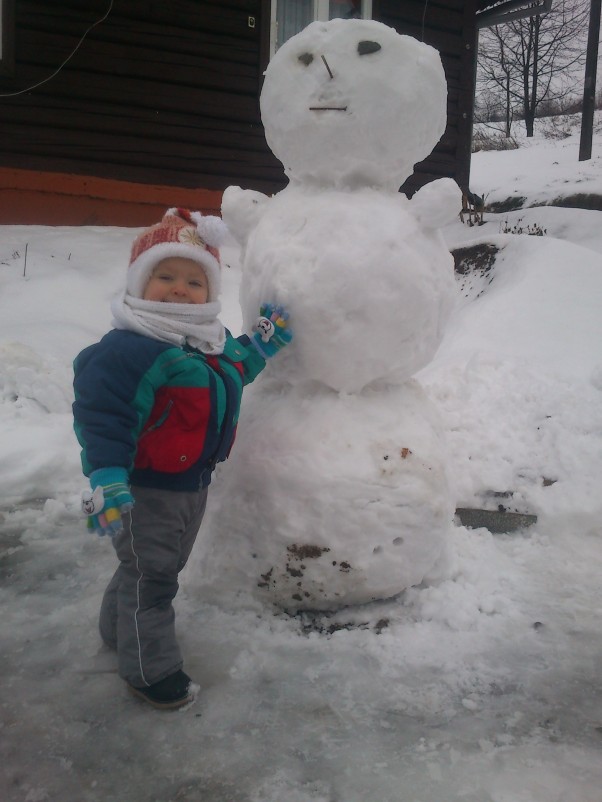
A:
189,235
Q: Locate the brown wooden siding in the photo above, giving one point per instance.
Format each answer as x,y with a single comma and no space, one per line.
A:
449,26
159,92
167,93
59,199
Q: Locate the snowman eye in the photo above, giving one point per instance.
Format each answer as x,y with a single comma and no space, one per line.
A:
306,58
365,47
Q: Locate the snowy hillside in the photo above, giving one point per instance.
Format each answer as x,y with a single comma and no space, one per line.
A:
482,685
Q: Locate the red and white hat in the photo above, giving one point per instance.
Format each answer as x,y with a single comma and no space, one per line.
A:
183,233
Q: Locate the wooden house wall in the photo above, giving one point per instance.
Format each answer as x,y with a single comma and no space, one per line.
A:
167,93
450,27
160,92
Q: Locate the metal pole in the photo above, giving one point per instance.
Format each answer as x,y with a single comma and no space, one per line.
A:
589,84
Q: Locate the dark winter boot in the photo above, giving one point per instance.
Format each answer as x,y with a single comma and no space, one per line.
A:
167,694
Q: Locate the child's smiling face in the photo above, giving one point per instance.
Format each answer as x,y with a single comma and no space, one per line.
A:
177,280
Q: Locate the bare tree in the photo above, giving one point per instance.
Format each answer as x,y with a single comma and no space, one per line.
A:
531,61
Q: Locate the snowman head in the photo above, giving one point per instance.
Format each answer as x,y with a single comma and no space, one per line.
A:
352,103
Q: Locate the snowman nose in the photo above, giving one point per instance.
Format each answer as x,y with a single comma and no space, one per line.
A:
327,67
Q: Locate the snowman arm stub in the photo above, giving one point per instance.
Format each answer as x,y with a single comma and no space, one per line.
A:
271,330
241,211
437,203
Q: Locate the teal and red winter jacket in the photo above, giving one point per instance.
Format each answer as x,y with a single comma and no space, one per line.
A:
165,414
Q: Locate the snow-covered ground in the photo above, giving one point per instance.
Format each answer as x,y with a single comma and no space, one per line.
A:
482,686
545,167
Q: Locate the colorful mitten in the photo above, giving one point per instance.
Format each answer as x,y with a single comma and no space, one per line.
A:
109,498
271,330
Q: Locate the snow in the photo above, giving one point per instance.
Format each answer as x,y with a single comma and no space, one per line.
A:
349,73
301,255
554,172
380,511
369,311
482,684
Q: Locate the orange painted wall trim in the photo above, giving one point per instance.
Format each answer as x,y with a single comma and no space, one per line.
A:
29,197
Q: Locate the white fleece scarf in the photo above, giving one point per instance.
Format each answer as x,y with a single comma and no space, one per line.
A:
194,324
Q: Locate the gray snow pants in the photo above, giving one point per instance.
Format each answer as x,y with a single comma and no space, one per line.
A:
136,616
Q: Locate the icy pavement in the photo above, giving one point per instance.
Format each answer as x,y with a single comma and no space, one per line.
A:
483,688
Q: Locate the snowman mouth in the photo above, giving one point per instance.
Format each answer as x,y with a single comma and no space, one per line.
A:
328,108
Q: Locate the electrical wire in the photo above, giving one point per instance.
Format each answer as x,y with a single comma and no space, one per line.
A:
426,3
69,57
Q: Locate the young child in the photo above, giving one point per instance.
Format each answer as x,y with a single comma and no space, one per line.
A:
156,407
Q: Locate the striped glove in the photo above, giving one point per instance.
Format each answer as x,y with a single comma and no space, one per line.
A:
271,330
109,498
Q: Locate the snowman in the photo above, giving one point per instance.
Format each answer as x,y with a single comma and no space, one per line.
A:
336,491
